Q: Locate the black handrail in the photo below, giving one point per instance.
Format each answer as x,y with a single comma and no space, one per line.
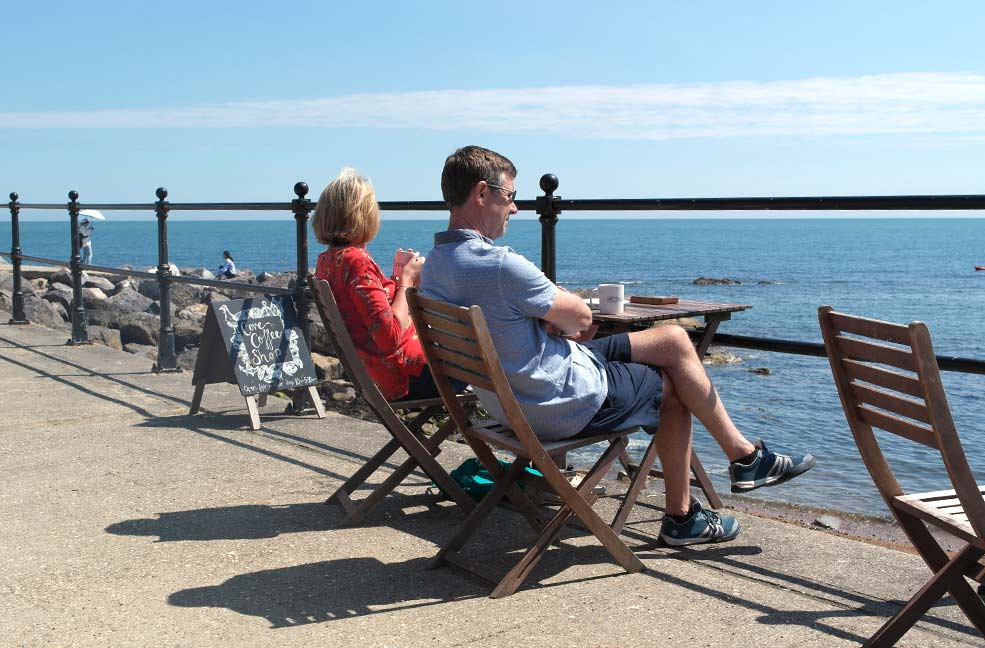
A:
547,206
816,349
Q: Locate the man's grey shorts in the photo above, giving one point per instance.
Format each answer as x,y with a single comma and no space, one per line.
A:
634,390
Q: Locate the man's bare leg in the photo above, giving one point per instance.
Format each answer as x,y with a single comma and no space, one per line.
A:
670,348
673,438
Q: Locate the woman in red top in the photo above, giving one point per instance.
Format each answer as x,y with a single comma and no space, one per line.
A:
374,306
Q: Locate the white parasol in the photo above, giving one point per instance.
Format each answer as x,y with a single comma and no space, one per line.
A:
92,213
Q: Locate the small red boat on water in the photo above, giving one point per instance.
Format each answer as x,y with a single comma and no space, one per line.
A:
979,267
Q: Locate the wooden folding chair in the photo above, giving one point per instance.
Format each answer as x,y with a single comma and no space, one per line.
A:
896,387
421,449
457,344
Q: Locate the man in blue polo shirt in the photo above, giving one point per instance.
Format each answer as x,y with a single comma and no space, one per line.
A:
566,382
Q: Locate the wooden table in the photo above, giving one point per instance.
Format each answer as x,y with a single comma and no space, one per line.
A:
636,316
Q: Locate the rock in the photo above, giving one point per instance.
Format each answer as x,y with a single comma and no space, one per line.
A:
346,395
35,272
41,312
764,282
708,281
184,295
202,273
762,371
186,333
195,313
90,295
147,350
6,281
327,367
35,285
276,279
62,275
319,337
125,284
64,311
187,358
341,391
57,285
211,296
155,309
140,328
59,294
102,283
105,336
149,289
827,522
721,358
112,311
6,300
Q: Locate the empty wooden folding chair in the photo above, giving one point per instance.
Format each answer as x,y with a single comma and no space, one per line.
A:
458,345
888,378
421,449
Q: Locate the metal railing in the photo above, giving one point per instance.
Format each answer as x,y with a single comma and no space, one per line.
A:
167,360
547,206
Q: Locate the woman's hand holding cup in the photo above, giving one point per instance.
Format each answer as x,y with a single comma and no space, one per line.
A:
410,274
400,259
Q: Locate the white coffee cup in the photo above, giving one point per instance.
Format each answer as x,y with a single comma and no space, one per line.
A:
611,298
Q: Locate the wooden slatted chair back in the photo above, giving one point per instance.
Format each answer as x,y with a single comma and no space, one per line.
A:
887,377
345,349
457,342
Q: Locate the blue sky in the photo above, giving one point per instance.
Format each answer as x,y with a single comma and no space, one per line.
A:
222,101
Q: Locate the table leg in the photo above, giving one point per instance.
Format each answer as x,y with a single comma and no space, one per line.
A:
711,326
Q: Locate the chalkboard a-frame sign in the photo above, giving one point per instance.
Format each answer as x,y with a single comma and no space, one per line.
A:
257,344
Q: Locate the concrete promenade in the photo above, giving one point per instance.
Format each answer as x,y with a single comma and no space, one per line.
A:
124,521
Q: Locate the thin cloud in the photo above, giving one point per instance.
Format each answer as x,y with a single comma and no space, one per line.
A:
868,105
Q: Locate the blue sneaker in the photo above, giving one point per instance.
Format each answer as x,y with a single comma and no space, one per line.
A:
767,469
700,526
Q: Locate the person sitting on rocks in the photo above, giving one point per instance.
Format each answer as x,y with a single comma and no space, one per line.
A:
374,306
228,268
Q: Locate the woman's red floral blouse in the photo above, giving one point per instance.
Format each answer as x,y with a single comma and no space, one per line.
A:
364,295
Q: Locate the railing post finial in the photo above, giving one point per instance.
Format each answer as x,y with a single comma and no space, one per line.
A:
548,210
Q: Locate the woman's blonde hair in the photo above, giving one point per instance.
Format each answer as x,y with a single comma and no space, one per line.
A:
347,211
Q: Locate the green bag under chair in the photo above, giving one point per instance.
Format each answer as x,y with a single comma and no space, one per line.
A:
476,481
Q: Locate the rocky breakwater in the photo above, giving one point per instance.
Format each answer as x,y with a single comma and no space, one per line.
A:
124,313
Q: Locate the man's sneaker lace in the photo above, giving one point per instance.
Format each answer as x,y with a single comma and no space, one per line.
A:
700,526
767,469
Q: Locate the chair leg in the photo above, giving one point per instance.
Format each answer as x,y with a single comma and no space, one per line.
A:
519,572
377,460
583,509
439,476
949,578
520,500
364,472
515,577
704,482
936,558
636,486
480,512
407,438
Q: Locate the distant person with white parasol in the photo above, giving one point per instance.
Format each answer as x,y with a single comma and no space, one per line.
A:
85,233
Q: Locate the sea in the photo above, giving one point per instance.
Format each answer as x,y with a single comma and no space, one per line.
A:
897,269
